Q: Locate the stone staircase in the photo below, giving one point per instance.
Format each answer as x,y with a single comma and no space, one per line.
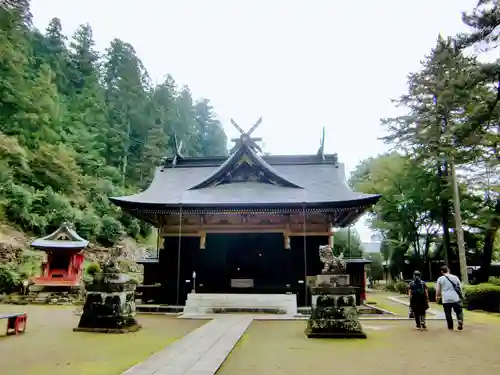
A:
207,303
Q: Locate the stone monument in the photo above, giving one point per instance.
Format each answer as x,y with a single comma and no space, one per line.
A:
109,301
333,312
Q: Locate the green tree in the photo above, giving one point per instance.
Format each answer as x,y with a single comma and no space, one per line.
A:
483,21
127,86
347,241
55,55
212,139
445,99
409,208
375,269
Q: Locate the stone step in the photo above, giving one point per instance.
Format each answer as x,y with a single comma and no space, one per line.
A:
227,310
207,303
159,309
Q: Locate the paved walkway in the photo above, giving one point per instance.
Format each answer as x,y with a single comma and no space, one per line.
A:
199,353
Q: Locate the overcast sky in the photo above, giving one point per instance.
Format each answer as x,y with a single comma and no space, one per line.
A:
301,65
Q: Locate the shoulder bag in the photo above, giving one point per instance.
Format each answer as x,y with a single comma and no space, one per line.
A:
455,287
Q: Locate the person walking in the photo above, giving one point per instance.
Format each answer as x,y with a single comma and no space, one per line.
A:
419,300
449,290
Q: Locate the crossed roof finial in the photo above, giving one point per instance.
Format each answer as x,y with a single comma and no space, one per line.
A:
245,137
177,146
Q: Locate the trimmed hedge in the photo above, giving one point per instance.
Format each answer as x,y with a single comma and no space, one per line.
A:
482,297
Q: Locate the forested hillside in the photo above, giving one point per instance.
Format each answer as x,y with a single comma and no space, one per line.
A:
78,126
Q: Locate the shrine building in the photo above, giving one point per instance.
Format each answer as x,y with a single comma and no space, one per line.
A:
64,256
247,223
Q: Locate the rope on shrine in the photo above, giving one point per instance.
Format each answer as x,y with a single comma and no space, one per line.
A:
179,256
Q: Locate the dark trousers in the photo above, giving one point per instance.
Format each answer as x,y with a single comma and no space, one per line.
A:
457,308
419,318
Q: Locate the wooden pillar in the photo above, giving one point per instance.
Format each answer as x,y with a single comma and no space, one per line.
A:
286,238
363,286
203,240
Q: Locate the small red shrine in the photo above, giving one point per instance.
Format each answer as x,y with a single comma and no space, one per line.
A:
64,262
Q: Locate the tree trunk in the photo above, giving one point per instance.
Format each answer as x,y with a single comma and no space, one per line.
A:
489,241
126,150
427,262
445,211
462,257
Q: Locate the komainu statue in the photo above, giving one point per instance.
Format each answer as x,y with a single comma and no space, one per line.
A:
333,301
330,261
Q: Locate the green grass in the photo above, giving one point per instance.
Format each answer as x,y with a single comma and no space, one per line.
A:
281,348
49,345
381,300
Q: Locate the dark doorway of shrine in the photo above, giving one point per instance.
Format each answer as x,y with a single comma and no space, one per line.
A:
245,263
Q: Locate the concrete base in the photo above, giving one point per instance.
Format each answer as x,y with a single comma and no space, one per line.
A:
201,303
335,335
130,329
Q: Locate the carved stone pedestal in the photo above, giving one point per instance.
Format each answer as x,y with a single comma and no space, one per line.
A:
109,305
333,313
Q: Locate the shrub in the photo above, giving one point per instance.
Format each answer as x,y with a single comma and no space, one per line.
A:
92,269
131,225
431,289
9,280
54,165
146,229
494,281
111,231
398,286
30,265
391,287
19,200
402,287
484,296
88,225
53,207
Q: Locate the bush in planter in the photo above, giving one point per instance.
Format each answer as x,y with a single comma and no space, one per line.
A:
401,287
431,289
390,287
494,281
398,287
484,296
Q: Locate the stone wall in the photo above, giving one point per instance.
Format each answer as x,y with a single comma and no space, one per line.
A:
10,253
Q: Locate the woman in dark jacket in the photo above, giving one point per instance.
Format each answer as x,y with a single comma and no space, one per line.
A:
419,299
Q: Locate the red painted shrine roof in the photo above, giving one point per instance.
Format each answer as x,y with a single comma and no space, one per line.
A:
246,179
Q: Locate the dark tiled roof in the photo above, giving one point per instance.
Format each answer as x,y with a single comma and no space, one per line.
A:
64,238
320,182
